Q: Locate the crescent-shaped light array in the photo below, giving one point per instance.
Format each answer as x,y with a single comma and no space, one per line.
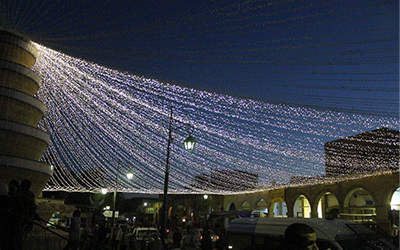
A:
102,119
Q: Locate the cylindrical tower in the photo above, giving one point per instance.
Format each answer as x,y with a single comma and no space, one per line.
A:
21,142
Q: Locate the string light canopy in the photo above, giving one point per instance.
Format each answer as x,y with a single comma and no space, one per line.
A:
98,116
306,73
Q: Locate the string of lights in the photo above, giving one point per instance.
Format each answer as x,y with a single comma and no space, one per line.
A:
98,117
322,71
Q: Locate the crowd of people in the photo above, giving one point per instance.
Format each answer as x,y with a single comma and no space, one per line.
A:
17,212
124,239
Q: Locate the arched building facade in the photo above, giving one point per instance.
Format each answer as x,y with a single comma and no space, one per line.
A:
363,200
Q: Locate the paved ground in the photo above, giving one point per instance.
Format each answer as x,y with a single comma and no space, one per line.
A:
40,239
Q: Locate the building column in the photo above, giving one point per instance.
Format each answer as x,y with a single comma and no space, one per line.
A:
314,209
382,217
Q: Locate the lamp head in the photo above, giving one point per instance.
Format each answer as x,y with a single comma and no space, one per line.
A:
189,143
129,175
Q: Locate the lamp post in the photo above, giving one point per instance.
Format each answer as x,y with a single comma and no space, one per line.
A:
129,175
206,208
189,146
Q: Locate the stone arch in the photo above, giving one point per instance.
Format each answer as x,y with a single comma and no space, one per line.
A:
261,204
353,193
394,213
395,199
291,199
261,208
359,205
278,208
246,205
232,207
302,207
389,192
326,205
323,192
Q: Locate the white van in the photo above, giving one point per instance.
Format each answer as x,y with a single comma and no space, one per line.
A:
267,233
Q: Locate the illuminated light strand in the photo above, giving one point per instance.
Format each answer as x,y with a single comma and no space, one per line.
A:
98,121
98,117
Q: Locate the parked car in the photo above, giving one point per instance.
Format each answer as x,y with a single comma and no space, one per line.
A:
141,233
143,237
267,233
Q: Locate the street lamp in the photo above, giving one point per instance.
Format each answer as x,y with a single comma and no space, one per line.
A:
189,146
189,143
129,175
206,208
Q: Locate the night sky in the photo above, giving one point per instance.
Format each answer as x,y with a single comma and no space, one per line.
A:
338,55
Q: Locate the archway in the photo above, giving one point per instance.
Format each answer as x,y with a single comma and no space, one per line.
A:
394,213
261,209
328,206
359,206
395,202
232,207
278,208
302,208
246,205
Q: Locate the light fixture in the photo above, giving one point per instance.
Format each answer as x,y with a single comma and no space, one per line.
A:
205,197
104,190
129,175
189,143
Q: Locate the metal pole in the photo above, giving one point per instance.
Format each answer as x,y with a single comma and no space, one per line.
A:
164,206
114,201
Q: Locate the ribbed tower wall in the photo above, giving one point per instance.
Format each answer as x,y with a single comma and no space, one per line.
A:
21,142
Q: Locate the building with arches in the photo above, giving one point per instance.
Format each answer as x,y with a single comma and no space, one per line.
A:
374,198
367,199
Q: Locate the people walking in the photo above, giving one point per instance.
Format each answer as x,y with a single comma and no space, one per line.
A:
5,215
26,205
191,241
176,238
156,244
121,238
74,231
23,211
15,229
13,188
